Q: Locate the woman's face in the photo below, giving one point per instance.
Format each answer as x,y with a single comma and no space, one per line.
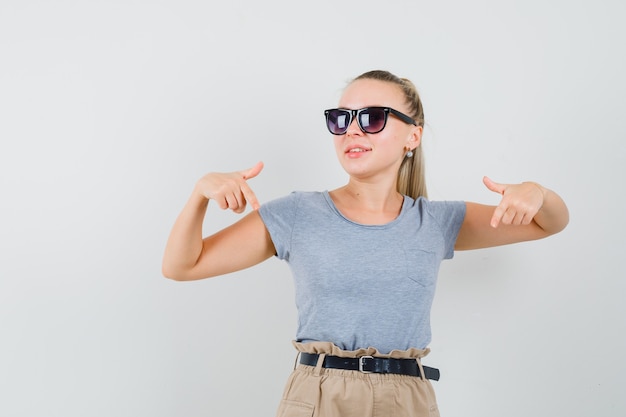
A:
368,156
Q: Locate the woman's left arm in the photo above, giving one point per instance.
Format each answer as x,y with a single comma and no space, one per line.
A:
527,211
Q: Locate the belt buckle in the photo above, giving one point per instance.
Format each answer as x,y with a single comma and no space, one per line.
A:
361,364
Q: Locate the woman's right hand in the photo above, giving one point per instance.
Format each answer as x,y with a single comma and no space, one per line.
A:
189,256
230,190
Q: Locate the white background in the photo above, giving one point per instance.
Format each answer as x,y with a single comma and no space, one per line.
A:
111,110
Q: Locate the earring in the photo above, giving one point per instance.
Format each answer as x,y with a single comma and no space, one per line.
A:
409,154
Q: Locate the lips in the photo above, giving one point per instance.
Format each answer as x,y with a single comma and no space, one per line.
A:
358,149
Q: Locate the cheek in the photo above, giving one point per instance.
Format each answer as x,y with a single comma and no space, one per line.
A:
393,143
337,142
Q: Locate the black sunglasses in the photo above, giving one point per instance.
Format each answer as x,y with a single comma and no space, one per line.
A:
370,119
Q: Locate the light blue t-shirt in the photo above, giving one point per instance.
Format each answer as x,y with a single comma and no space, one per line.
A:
357,285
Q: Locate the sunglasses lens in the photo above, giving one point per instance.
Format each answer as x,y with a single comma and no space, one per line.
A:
338,121
373,119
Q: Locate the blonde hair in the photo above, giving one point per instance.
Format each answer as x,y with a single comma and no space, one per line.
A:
411,175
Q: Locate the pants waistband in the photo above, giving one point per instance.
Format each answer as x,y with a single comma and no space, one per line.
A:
370,364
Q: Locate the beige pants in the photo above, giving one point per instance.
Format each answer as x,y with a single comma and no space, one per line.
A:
313,391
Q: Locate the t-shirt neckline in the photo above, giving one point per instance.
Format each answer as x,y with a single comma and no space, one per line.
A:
334,208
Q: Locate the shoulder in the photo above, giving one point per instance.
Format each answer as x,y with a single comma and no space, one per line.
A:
446,216
436,208
291,203
294,198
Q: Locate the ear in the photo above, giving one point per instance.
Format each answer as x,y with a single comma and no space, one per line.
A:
415,139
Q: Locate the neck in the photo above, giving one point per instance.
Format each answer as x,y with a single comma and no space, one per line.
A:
372,198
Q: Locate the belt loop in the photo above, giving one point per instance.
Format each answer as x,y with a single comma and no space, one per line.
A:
419,365
295,363
320,362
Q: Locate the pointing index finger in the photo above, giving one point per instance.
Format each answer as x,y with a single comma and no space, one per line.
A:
250,196
498,213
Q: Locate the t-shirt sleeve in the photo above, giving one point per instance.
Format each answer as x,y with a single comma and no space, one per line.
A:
449,215
279,216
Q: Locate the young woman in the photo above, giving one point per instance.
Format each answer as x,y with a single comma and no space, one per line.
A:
364,257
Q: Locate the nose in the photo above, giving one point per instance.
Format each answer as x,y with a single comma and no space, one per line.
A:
354,128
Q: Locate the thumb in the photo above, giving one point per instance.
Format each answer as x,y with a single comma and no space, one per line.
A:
494,186
252,172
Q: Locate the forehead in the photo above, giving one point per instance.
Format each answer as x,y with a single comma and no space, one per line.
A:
364,93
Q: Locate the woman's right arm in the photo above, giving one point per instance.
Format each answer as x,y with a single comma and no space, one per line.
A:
247,242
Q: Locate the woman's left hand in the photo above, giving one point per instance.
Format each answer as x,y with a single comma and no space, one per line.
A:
527,211
520,202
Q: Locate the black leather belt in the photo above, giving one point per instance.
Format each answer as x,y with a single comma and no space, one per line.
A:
370,364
